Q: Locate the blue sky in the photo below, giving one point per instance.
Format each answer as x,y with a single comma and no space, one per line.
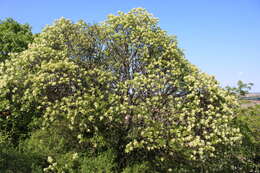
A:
221,37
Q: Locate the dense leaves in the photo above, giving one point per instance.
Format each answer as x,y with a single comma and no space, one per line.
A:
120,93
14,37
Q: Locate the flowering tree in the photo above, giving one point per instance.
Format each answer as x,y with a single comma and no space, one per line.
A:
125,81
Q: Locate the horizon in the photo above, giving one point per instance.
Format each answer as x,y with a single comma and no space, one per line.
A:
221,38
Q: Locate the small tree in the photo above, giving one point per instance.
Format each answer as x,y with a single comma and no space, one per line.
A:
241,90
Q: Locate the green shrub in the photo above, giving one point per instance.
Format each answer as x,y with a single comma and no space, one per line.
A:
138,167
249,122
104,162
14,161
50,141
60,149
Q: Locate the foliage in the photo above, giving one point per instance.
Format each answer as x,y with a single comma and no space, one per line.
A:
251,117
121,86
243,158
42,143
141,167
63,154
242,88
14,37
14,161
102,163
246,158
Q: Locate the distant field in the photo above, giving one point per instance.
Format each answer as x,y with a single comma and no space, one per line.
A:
253,95
251,100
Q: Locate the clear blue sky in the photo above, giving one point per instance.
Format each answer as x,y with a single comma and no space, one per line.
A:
221,37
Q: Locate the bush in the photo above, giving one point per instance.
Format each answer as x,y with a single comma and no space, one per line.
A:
249,122
104,162
52,141
141,168
14,161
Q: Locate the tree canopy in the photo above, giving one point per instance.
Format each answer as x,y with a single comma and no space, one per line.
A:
124,85
14,37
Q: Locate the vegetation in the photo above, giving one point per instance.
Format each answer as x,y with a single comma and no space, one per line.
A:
242,88
14,37
116,97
